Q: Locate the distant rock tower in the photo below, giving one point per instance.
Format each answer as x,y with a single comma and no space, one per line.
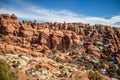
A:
8,23
7,17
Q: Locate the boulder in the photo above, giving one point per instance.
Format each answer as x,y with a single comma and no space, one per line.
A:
9,48
27,33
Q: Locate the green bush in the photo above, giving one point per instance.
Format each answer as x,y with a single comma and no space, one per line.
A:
58,59
54,50
81,39
98,76
118,71
94,76
14,75
111,74
111,70
91,76
6,73
61,67
37,67
88,66
98,66
63,75
109,58
9,52
74,46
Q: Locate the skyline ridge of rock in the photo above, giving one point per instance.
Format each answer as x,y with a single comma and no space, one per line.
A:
54,35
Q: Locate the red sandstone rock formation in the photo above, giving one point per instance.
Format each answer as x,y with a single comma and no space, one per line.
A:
35,36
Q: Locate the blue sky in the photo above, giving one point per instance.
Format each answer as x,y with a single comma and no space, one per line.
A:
105,12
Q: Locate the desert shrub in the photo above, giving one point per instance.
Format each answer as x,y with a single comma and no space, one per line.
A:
109,58
63,75
9,52
4,70
54,50
111,70
1,35
6,73
111,74
14,74
61,67
98,76
58,59
64,50
94,76
37,67
74,46
98,66
118,71
88,66
69,61
91,76
81,39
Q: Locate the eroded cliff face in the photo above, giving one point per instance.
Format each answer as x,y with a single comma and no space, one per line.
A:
32,37
61,36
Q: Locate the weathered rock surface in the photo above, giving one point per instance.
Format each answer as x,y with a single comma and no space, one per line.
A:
54,35
46,39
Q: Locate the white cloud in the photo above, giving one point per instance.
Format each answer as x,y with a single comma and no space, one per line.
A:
28,11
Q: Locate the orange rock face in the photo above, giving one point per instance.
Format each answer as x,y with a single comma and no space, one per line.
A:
38,39
60,36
